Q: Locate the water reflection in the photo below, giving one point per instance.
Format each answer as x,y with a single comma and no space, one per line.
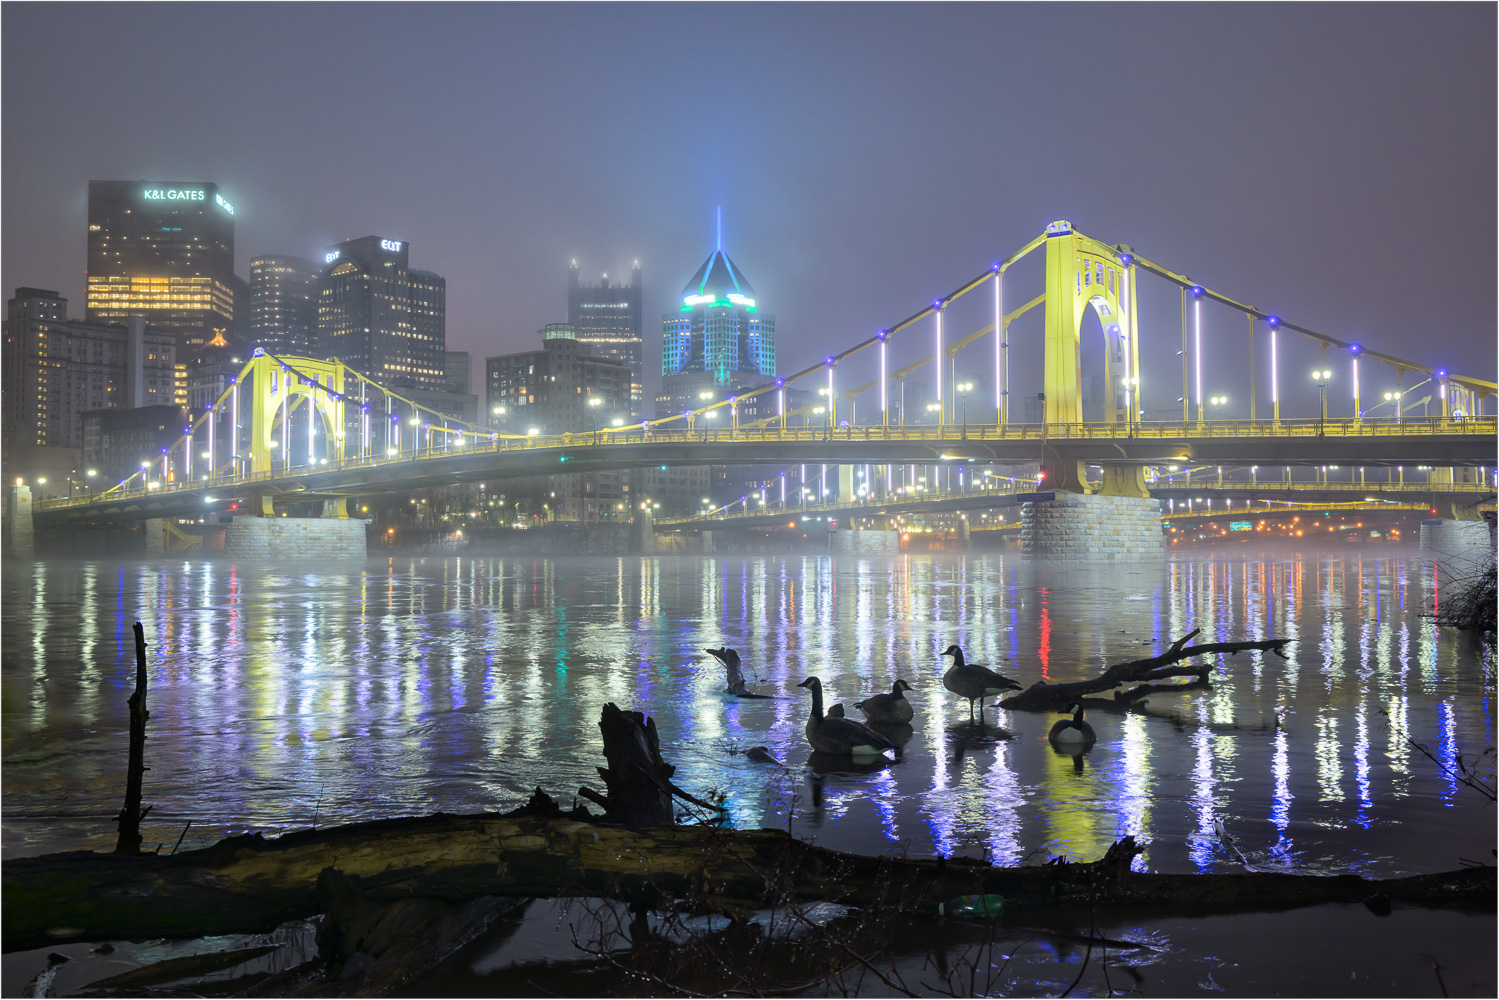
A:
411,685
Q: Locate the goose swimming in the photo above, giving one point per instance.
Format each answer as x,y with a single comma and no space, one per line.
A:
1073,731
892,708
973,681
837,735
730,661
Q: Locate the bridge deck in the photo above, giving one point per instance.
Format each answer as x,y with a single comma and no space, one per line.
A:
1431,441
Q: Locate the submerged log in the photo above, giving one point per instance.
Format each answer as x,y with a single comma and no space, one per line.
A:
249,884
1043,697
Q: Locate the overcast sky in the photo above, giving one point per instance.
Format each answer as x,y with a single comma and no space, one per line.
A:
1332,163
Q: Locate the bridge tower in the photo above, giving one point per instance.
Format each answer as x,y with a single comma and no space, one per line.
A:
1081,274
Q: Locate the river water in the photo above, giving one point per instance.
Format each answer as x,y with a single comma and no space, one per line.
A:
287,694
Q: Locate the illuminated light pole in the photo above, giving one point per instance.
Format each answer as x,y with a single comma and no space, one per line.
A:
884,338
1442,384
832,400
781,402
1273,322
1218,402
594,402
963,389
937,358
1322,376
1394,397
1197,346
1353,349
234,431
999,345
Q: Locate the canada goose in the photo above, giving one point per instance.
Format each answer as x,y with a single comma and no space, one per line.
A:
837,735
730,661
970,680
890,708
1074,730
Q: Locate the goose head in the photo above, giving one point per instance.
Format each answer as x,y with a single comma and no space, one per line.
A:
813,683
952,650
1074,709
901,686
726,655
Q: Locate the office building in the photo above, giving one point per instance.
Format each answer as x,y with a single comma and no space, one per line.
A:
283,305
456,365
55,368
164,250
607,318
717,337
380,317
116,443
551,390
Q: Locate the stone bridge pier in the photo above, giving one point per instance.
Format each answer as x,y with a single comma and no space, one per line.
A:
1120,522
263,535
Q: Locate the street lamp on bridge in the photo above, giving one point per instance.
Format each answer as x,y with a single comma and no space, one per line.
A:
1322,376
1218,402
963,389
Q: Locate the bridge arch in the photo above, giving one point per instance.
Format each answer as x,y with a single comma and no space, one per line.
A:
1083,274
275,385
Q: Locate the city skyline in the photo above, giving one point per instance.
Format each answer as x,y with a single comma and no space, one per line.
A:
1338,171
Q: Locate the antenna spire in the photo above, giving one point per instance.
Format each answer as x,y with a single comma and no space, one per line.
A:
720,228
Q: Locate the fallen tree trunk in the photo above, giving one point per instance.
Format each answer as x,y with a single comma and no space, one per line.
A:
1042,697
249,884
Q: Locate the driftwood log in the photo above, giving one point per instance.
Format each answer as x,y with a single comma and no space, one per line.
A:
249,884
1044,697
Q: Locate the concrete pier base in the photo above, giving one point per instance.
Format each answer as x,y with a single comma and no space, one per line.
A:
1459,539
643,533
864,541
1080,526
254,537
19,541
707,539
156,537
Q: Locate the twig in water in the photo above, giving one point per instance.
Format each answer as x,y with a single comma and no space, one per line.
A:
180,836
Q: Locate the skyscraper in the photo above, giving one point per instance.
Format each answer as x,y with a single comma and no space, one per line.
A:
283,304
381,317
607,318
163,250
718,338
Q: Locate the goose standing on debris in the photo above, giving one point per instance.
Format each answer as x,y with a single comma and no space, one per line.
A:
838,735
730,661
892,708
972,681
1074,731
